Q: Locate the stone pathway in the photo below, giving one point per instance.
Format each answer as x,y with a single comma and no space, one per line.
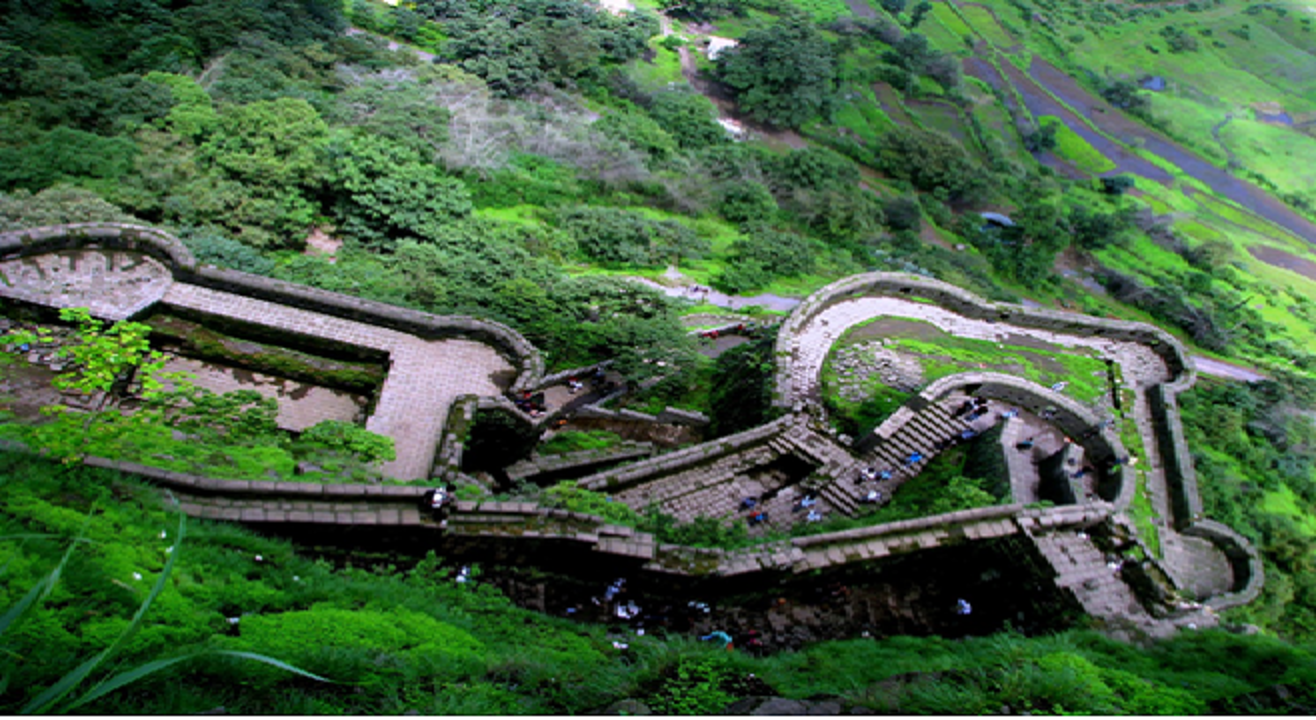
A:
114,285
1140,365
424,376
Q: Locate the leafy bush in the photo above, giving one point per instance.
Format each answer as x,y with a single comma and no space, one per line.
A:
211,245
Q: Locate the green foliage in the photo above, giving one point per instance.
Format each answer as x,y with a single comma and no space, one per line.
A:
349,438
931,161
764,253
747,201
689,117
620,237
568,496
577,440
275,148
515,46
62,155
385,192
211,245
903,213
640,131
56,205
695,687
192,115
784,75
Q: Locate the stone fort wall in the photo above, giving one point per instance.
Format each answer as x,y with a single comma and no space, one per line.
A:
1176,457
175,256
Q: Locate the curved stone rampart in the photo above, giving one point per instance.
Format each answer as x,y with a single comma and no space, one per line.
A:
965,303
1101,447
1177,464
170,251
1249,574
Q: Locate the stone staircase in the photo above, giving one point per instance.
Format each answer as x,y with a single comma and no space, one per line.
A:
1082,569
920,433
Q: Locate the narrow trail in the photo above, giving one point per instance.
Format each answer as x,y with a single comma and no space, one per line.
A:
1231,160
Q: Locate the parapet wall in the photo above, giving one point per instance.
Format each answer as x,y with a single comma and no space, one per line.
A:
971,306
1101,447
170,251
636,473
1073,420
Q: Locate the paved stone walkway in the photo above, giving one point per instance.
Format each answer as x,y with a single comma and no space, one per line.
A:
1140,365
115,285
424,376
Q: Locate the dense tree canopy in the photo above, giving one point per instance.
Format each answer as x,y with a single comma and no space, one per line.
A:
784,74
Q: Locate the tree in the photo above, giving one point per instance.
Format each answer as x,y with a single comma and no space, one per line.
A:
893,6
640,131
903,213
745,201
57,205
382,190
783,253
783,75
405,110
275,149
689,117
192,115
1042,139
930,160
918,13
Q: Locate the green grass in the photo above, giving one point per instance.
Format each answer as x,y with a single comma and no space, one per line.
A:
1282,155
663,70
1072,147
576,440
949,355
986,25
1285,502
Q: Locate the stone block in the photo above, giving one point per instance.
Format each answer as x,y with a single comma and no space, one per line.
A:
262,486
253,515
390,517
365,517
300,516
343,518
230,513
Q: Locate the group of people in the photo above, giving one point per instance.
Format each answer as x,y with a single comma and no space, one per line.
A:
532,404
713,334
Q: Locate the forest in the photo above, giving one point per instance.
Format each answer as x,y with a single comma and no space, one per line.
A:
521,162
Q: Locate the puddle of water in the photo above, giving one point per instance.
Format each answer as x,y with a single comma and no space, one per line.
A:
301,405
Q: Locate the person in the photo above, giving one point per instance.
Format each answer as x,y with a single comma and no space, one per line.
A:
757,518
1012,412
814,516
873,496
962,607
1025,445
967,435
913,458
748,503
869,473
573,386
966,407
464,574
718,635
599,375
884,475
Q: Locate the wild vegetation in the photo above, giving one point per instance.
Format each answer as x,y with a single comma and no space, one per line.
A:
551,149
